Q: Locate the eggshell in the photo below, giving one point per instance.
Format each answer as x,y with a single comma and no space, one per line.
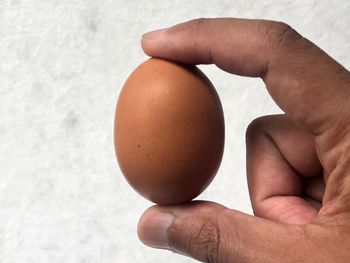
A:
169,131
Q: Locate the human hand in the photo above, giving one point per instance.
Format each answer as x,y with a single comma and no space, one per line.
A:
298,163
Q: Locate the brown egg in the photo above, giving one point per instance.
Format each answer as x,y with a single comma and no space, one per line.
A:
169,131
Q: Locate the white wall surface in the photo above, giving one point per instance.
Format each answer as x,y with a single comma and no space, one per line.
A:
62,64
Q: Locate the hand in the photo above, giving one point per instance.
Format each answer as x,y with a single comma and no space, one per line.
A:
298,163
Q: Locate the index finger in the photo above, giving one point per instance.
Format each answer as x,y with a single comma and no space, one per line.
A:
311,87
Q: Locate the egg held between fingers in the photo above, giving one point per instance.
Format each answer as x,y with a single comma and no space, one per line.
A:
169,131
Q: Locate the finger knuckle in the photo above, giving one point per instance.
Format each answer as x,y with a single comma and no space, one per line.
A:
200,22
194,26
277,34
207,242
256,128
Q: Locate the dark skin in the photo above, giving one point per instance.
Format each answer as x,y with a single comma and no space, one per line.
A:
298,163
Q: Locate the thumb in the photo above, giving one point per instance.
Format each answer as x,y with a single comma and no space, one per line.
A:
213,233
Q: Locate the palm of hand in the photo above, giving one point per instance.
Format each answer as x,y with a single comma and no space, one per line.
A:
285,176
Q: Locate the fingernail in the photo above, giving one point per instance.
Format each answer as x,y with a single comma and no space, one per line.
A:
153,228
154,34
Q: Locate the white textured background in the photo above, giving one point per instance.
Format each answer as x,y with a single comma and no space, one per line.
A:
62,64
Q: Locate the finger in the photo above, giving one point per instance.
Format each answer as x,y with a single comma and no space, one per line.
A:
304,81
281,157
212,233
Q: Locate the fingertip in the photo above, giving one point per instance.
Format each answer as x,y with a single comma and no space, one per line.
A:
153,226
150,40
143,221
152,35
